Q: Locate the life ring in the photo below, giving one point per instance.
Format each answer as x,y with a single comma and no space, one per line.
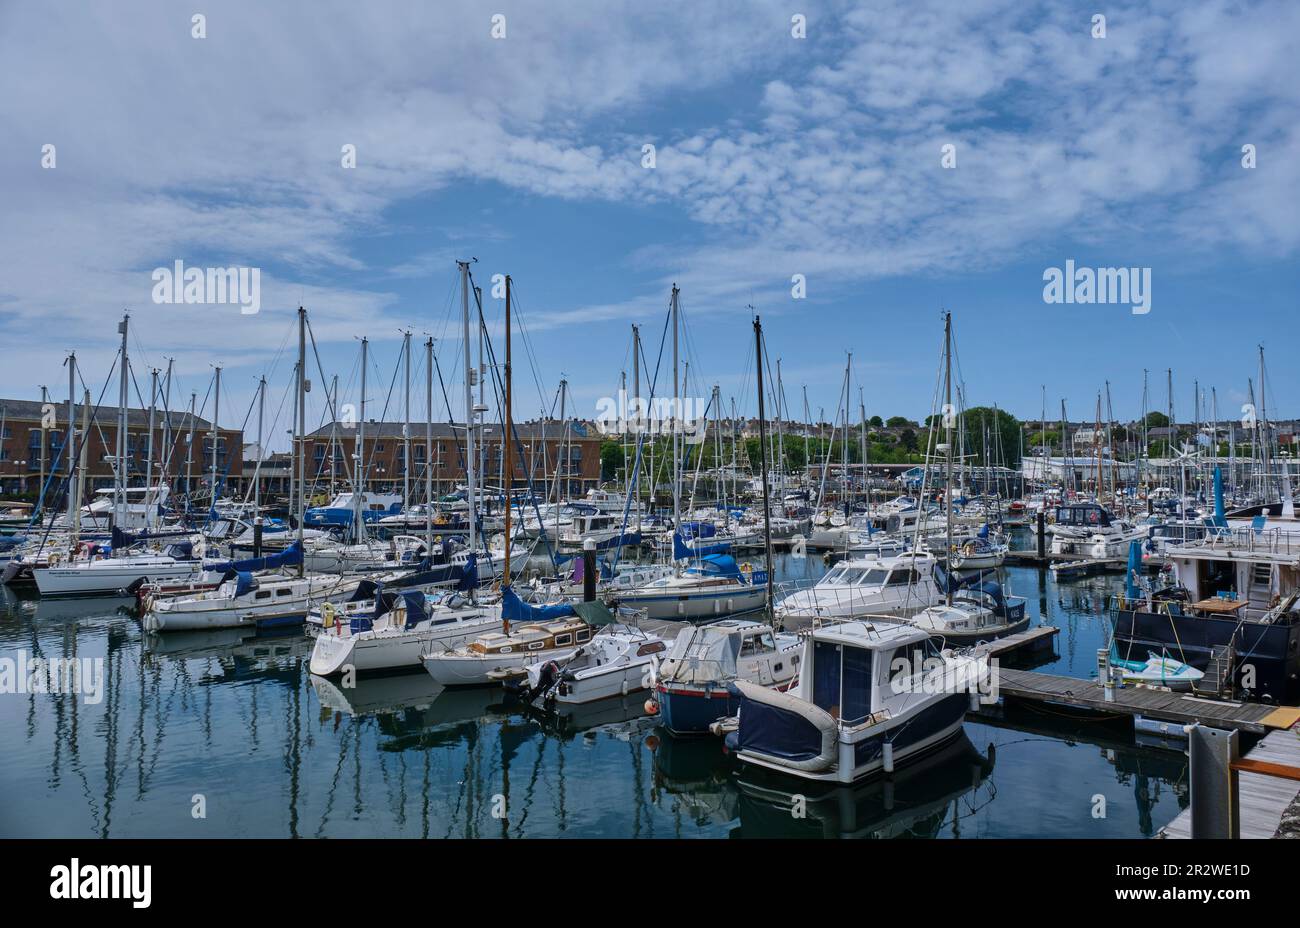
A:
747,568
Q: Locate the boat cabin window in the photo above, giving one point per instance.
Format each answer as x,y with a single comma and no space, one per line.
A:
757,644
584,635
842,680
563,640
1217,577
536,645
284,592
902,577
262,594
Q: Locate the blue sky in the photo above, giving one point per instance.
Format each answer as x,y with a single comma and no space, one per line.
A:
775,156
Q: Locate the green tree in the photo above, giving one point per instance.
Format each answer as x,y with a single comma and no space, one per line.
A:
611,459
876,422
1002,431
897,422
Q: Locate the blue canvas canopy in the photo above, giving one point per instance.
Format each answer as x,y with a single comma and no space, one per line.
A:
951,583
514,609
415,611
244,582
290,556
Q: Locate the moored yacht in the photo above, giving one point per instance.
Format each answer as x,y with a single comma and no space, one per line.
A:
899,586
870,697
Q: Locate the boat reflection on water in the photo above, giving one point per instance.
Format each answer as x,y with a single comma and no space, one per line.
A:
567,721
242,654
411,710
695,776
941,788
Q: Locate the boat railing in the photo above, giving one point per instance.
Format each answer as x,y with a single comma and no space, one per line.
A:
833,599
1275,540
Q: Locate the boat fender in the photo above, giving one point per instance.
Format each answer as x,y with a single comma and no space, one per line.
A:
651,707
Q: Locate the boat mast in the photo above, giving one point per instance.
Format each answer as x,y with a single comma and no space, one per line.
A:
302,387
947,424
70,441
677,405
762,450
261,408
507,470
189,456
428,445
148,456
406,428
358,506
469,408
216,413
119,474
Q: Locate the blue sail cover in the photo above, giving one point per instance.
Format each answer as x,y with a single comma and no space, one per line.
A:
469,576
950,583
514,609
290,556
244,582
415,611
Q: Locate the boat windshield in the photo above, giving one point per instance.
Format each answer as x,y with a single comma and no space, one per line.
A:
855,576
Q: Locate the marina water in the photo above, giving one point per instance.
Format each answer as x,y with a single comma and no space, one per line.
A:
226,734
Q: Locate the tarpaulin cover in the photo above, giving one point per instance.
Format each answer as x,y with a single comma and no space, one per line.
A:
514,609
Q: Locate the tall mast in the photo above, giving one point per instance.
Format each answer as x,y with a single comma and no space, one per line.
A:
469,407
358,504
302,389
148,458
216,413
762,450
189,455
69,443
261,410
947,424
428,445
406,428
677,405
507,470
119,475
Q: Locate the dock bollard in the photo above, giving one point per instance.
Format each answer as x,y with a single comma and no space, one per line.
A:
588,569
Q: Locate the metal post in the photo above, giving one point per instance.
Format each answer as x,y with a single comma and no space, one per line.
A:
1214,796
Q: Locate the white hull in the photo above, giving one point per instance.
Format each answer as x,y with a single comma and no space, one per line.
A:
391,649
470,670
100,577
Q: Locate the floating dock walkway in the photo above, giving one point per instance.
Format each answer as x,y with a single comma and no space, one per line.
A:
1264,793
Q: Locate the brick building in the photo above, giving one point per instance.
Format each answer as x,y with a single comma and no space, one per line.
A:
545,449
32,445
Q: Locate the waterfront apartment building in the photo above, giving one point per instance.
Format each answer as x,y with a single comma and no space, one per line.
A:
32,436
546,448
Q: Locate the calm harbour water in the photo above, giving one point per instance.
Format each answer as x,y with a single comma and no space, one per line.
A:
273,752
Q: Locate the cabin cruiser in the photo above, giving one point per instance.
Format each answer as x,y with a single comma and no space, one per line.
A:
621,659
382,629
975,610
691,691
604,529
1088,530
898,586
340,511
870,697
